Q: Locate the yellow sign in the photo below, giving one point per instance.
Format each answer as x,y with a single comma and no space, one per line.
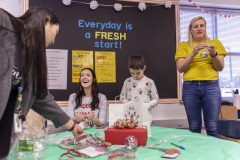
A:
80,60
105,67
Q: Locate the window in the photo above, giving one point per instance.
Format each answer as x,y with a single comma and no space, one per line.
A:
227,30
12,6
229,33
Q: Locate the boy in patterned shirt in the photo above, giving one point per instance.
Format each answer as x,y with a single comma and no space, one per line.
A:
139,88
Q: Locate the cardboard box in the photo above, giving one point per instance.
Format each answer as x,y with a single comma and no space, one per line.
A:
118,136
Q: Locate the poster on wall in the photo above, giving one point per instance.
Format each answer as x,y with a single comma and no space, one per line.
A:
57,68
105,67
80,60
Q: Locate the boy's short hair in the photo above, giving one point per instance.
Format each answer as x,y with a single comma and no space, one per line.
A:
136,62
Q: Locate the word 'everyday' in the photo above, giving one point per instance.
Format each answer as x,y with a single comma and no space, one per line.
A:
99,25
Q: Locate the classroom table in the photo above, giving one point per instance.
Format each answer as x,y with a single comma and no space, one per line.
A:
197,146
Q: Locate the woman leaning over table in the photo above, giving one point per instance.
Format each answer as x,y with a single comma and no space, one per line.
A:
201,91
23,43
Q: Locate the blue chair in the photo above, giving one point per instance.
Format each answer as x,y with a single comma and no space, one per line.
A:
229,128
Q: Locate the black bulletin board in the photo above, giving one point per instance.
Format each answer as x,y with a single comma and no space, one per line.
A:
152,34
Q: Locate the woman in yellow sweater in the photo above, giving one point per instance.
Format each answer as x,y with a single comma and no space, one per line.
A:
200,59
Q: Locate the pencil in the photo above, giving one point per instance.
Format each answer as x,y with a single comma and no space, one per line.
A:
181,147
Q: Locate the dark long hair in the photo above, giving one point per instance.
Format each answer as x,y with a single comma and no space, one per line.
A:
95,91
34,47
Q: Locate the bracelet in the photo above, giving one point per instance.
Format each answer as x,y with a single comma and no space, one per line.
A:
73,126
215,55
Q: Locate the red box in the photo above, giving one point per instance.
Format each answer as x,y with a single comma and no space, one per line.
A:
118,136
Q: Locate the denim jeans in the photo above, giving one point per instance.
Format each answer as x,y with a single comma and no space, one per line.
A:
202,97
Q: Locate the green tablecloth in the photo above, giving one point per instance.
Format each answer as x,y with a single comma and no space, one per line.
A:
197,146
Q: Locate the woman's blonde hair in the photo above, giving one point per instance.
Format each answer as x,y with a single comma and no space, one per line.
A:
190,37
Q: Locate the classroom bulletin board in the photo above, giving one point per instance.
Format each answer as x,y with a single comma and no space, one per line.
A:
104,39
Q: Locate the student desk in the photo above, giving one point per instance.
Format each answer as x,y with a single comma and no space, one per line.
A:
198,146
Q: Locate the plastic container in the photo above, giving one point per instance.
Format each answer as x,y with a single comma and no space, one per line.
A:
236,99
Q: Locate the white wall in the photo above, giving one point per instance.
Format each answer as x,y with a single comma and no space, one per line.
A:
169,112
161,111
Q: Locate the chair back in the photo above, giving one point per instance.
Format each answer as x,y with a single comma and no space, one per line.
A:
229,128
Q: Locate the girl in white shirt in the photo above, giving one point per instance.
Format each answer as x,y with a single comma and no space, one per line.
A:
87,106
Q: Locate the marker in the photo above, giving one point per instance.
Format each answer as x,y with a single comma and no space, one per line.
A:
178,146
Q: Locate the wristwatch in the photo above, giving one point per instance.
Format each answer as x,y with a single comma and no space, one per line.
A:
215,55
